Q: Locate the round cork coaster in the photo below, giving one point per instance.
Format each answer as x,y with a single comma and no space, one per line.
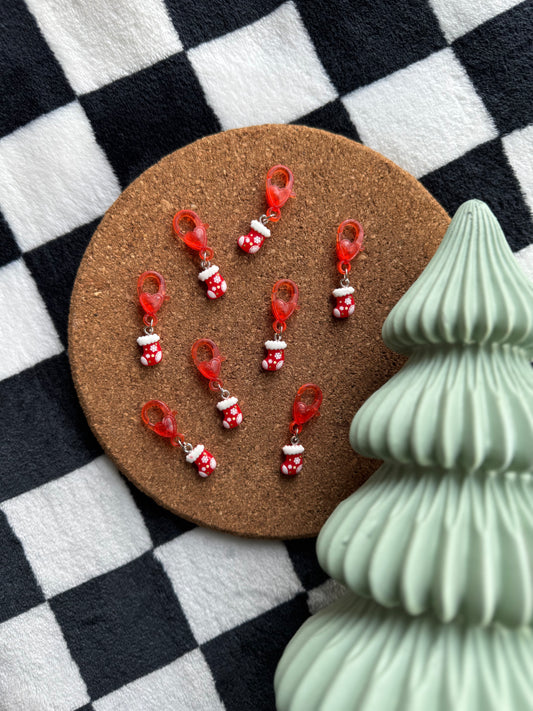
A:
222,178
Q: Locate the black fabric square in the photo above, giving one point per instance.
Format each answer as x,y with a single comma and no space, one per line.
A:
9,249
360,42
331,117
163,525
485,173
18,588
198,21
31,80
141,118
44,431
498,57
303,556
123,625
54,266
243,660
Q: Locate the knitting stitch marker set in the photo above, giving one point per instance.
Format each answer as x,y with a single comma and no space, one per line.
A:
222,396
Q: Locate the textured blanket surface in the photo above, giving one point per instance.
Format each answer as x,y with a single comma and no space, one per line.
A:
107,602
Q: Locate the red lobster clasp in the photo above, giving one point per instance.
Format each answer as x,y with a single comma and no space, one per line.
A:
347,248
151,302
304,408
195,238
277,195
284,301
209,367
166,426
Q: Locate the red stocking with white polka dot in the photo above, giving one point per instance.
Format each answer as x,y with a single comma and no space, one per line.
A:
275,355
231,411
204,460
214,281
292,464
253,241
344,302
151,346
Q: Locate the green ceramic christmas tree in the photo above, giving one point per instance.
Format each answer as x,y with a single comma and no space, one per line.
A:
437,547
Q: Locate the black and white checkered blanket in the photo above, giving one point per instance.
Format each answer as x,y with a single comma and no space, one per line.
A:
107,602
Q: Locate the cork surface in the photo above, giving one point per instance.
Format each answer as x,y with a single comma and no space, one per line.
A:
221,177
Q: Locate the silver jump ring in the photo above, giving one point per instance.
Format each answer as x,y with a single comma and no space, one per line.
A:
224,394
186,446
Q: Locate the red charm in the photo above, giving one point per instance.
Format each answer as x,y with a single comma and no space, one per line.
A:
204,460
150,303
347,249
306,406
196,239
166,427
344,302
284,302
276,197
209,367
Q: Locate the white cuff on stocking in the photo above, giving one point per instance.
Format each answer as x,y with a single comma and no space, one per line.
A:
343,291
193,456
275,345
146,340
292,449
228,402
260,227
206,273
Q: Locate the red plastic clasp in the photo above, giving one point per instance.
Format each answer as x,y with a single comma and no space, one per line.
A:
347,248
151,302
209,367
303,408
284,301
277,195
166,426
195,238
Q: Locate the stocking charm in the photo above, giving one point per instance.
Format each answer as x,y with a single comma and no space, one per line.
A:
209,367
166,427
150,303
276,197
196,238
347,249
284,302
306,406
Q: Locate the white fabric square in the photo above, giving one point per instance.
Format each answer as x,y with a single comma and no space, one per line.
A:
222,581
423,116
99,41
37,672
266,72
525,259
184,685
457,17
79,526
518,147
53,176
324,595
28,334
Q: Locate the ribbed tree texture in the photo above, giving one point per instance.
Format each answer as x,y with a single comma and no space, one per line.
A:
437,547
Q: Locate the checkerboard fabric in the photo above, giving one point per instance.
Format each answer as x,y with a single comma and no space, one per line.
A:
107,602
